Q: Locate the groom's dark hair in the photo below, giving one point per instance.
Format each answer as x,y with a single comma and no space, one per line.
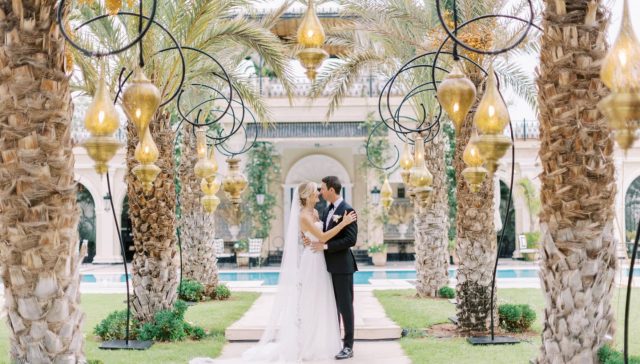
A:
333,182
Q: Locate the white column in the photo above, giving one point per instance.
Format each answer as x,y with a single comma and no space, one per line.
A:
107,245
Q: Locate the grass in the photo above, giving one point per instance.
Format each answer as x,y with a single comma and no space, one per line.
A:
214,316
413,313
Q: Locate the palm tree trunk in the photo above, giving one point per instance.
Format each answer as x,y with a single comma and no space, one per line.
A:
38,211
476,240
197,228
578,186
431,225
155,262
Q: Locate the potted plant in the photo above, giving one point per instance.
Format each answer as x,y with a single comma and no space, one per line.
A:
533,246
241,246
378,254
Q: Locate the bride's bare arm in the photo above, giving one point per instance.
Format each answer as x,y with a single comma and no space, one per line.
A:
307,224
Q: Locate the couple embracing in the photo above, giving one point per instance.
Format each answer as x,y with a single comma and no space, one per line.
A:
315,287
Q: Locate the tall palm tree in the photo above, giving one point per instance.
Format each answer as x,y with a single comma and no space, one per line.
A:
578,184
197,228
216,28
38,211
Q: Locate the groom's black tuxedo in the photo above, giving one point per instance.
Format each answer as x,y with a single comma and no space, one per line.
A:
342,264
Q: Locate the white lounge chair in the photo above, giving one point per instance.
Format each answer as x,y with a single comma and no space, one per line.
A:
255,250
218,245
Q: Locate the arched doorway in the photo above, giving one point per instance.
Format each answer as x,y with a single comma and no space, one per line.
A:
87,223
509,243
126,230
313,168
632,210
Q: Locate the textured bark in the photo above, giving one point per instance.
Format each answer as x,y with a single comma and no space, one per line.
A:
197,228
38,211
476,240
578,187
155,262
431,226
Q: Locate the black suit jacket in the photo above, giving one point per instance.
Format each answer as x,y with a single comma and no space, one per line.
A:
338,255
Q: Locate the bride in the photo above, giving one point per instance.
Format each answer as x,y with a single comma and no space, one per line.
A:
304,322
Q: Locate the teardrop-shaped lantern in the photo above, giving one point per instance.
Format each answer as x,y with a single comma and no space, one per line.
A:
146,153
101,120
234,183
113,6
621,66
456,95
475,173
204,166
492,115
311,37
421,179
386,195
140,101
406,163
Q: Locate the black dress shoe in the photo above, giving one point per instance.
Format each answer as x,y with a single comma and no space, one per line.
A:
346,353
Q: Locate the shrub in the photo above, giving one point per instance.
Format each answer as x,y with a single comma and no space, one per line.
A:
222,292
241,246
516,318
533,239
191,291
377,248
169,325
114,327
94,361
447,292
608,355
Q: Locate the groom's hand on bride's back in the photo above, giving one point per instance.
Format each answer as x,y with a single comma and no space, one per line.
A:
305,240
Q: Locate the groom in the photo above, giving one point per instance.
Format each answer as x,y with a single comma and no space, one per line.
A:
340,261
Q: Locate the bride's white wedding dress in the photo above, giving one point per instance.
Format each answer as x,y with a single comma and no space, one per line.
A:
304,324
317,332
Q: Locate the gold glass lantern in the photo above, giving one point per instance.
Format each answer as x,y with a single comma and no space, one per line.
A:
490,119
140,101
474,173
406,163
311,37
456,95
234,183
101,120
204,167
210,187
147,154
386,195
421,179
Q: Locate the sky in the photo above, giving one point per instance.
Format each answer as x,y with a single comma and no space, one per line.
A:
518,108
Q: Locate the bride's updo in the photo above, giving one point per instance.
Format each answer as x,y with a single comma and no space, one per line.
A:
305,190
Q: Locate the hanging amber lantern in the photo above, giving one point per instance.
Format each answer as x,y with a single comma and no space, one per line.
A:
140,101
490,119
147,154
475,173
234,183
210,187
406,163
620,72
456,95
205,166
421,179
311,37
386,195
101,120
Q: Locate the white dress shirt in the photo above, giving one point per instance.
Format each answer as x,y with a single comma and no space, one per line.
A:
338,202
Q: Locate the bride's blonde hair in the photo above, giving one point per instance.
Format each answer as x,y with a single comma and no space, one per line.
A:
305,190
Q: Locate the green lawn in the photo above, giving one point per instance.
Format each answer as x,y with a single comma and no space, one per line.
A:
213,316
414,313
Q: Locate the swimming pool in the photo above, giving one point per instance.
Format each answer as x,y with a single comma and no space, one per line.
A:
270,278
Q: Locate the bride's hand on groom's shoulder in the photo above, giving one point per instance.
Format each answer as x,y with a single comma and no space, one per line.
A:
349,217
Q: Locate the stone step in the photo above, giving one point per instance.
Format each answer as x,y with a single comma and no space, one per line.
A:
371,320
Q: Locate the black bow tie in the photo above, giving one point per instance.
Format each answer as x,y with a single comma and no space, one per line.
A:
331,207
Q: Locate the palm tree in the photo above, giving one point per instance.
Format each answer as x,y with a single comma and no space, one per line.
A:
215,28
387,34
197,228
578,186
38,213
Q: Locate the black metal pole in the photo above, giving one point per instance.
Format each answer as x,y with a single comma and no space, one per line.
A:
504,230
627,306
124,258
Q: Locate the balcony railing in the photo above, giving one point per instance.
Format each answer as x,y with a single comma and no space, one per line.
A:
363,87
526,129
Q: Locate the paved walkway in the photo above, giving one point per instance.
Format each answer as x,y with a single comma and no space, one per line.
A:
376,335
